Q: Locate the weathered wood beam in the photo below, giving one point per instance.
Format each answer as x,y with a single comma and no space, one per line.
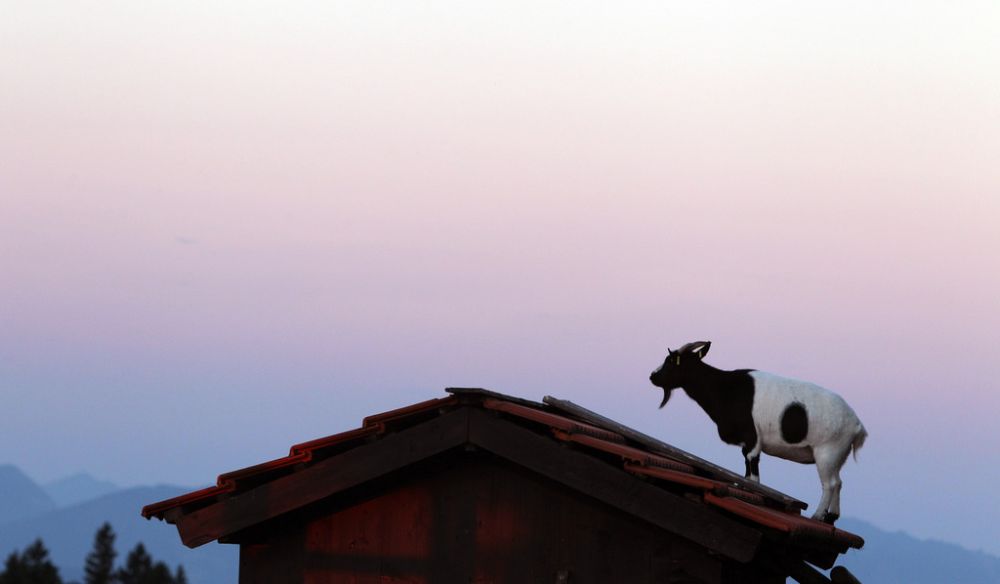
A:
664,448
840,575
803,573
325,478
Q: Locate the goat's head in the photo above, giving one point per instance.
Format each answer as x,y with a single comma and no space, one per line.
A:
673,373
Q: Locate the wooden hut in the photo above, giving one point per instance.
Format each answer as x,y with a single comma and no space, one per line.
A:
479,487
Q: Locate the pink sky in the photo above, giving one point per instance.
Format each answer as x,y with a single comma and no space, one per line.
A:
218,217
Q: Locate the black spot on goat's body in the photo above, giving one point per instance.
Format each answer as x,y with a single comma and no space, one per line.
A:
794,423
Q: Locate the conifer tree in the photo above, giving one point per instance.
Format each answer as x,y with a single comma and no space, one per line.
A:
13,570
33,566
39,566
138,566
160,574
100,563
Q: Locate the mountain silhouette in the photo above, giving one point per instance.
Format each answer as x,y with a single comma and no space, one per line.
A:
899,558
68,533
77,489
21,496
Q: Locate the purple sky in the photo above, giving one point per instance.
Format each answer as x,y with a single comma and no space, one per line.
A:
227,228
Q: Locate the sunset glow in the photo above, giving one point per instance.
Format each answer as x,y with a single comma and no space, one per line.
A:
231,227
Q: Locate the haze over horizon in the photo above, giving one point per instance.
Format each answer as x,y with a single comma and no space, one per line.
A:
229,228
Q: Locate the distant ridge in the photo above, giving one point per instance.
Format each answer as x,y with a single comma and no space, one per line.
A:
21,497
28,513
77,489
899,558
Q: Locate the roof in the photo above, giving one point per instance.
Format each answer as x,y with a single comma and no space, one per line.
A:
627,469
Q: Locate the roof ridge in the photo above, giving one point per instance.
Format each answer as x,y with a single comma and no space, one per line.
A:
662,448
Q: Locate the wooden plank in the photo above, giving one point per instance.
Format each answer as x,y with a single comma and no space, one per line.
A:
471,516
805,574
663,448
280,559
841,575
823,558
478,394
613,486
325,478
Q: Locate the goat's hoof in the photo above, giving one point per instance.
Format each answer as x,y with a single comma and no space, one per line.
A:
831,518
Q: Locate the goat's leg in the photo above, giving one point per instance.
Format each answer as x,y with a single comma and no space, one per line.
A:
824,502
751,456
829,460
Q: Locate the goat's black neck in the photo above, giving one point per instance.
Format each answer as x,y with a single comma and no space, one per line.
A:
726,396
704,384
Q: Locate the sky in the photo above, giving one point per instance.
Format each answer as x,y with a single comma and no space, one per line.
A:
229,227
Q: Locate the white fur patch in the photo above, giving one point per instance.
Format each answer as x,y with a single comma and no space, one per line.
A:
830,420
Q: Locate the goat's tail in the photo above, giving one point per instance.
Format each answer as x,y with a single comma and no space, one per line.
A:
858,442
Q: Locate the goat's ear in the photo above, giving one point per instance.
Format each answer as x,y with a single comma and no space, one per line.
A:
700,349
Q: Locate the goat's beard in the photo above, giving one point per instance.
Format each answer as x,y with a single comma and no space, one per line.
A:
666,396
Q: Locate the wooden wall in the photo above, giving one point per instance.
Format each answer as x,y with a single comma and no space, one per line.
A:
473,519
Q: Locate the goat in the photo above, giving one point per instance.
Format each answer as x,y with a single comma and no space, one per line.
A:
758,411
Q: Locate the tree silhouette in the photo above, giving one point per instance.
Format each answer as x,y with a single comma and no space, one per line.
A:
13,570
137,567
140,569
33,566
100,563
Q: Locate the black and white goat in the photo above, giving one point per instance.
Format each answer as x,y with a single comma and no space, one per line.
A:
759,411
